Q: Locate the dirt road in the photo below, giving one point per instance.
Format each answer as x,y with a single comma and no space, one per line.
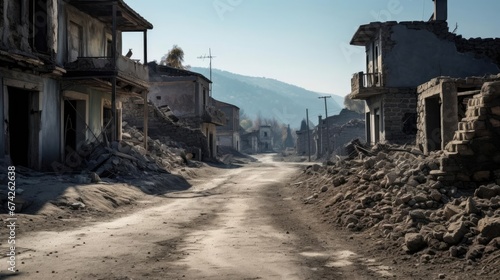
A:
236,224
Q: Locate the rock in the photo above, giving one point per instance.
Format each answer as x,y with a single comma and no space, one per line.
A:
435,195
412,182
475,252
420,198
390,178
441,276
487,192
77,205
126,135
489,227
456,231
418,215
437,185
414,242
406,198
470,207
451,210
316,167
457,251
94,178
369,163
338,181
324,189
350,219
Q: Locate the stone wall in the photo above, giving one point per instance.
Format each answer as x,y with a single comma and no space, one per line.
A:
400,118
354,129
474,153
454,93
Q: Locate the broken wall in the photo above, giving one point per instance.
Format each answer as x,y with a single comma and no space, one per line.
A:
429,50
474,153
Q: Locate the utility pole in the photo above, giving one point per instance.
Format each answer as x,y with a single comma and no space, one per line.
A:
209,56
308,135
327,126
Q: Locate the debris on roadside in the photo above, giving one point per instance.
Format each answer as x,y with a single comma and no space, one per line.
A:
389,190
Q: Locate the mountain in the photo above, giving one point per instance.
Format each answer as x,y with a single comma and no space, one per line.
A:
269,97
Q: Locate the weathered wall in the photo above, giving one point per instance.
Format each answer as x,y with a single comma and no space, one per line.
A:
95,33
179,96
51,123
417,52
400,117
344,134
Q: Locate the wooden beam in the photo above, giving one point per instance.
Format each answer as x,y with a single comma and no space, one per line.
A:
146,116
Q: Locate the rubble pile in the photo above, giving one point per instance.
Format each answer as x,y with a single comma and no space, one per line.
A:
389,190
129,157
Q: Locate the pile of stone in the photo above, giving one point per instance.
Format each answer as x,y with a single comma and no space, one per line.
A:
389,190
129,158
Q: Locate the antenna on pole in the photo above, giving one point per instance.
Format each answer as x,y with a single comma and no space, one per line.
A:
209,56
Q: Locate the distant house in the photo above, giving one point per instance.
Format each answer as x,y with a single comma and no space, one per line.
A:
265,139
62,78
257,141
334,132
229,134
305,142
186,93
250,142
400,57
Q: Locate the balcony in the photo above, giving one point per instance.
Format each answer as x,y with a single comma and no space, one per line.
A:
131,75
365,85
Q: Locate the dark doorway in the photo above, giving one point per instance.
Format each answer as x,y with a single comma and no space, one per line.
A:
377,125
433,124
211,144
70,124
368,128
19,124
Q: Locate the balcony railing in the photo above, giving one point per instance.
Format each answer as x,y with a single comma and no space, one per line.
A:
363,84
127,69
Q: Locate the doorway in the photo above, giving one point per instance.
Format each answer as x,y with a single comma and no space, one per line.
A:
23,125
376,125
432,124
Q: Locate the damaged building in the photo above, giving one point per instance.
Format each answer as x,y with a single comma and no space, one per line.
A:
332,133
61,70
187,94
402,55
228,135
462,118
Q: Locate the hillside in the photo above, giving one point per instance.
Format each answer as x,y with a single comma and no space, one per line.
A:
270,98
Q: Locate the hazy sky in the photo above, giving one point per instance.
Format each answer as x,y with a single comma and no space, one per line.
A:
305,43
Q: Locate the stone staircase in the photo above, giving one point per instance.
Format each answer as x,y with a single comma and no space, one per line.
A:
474,152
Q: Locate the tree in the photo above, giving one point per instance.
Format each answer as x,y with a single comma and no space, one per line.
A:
174,58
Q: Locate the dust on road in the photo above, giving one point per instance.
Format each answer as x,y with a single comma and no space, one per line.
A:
236,224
